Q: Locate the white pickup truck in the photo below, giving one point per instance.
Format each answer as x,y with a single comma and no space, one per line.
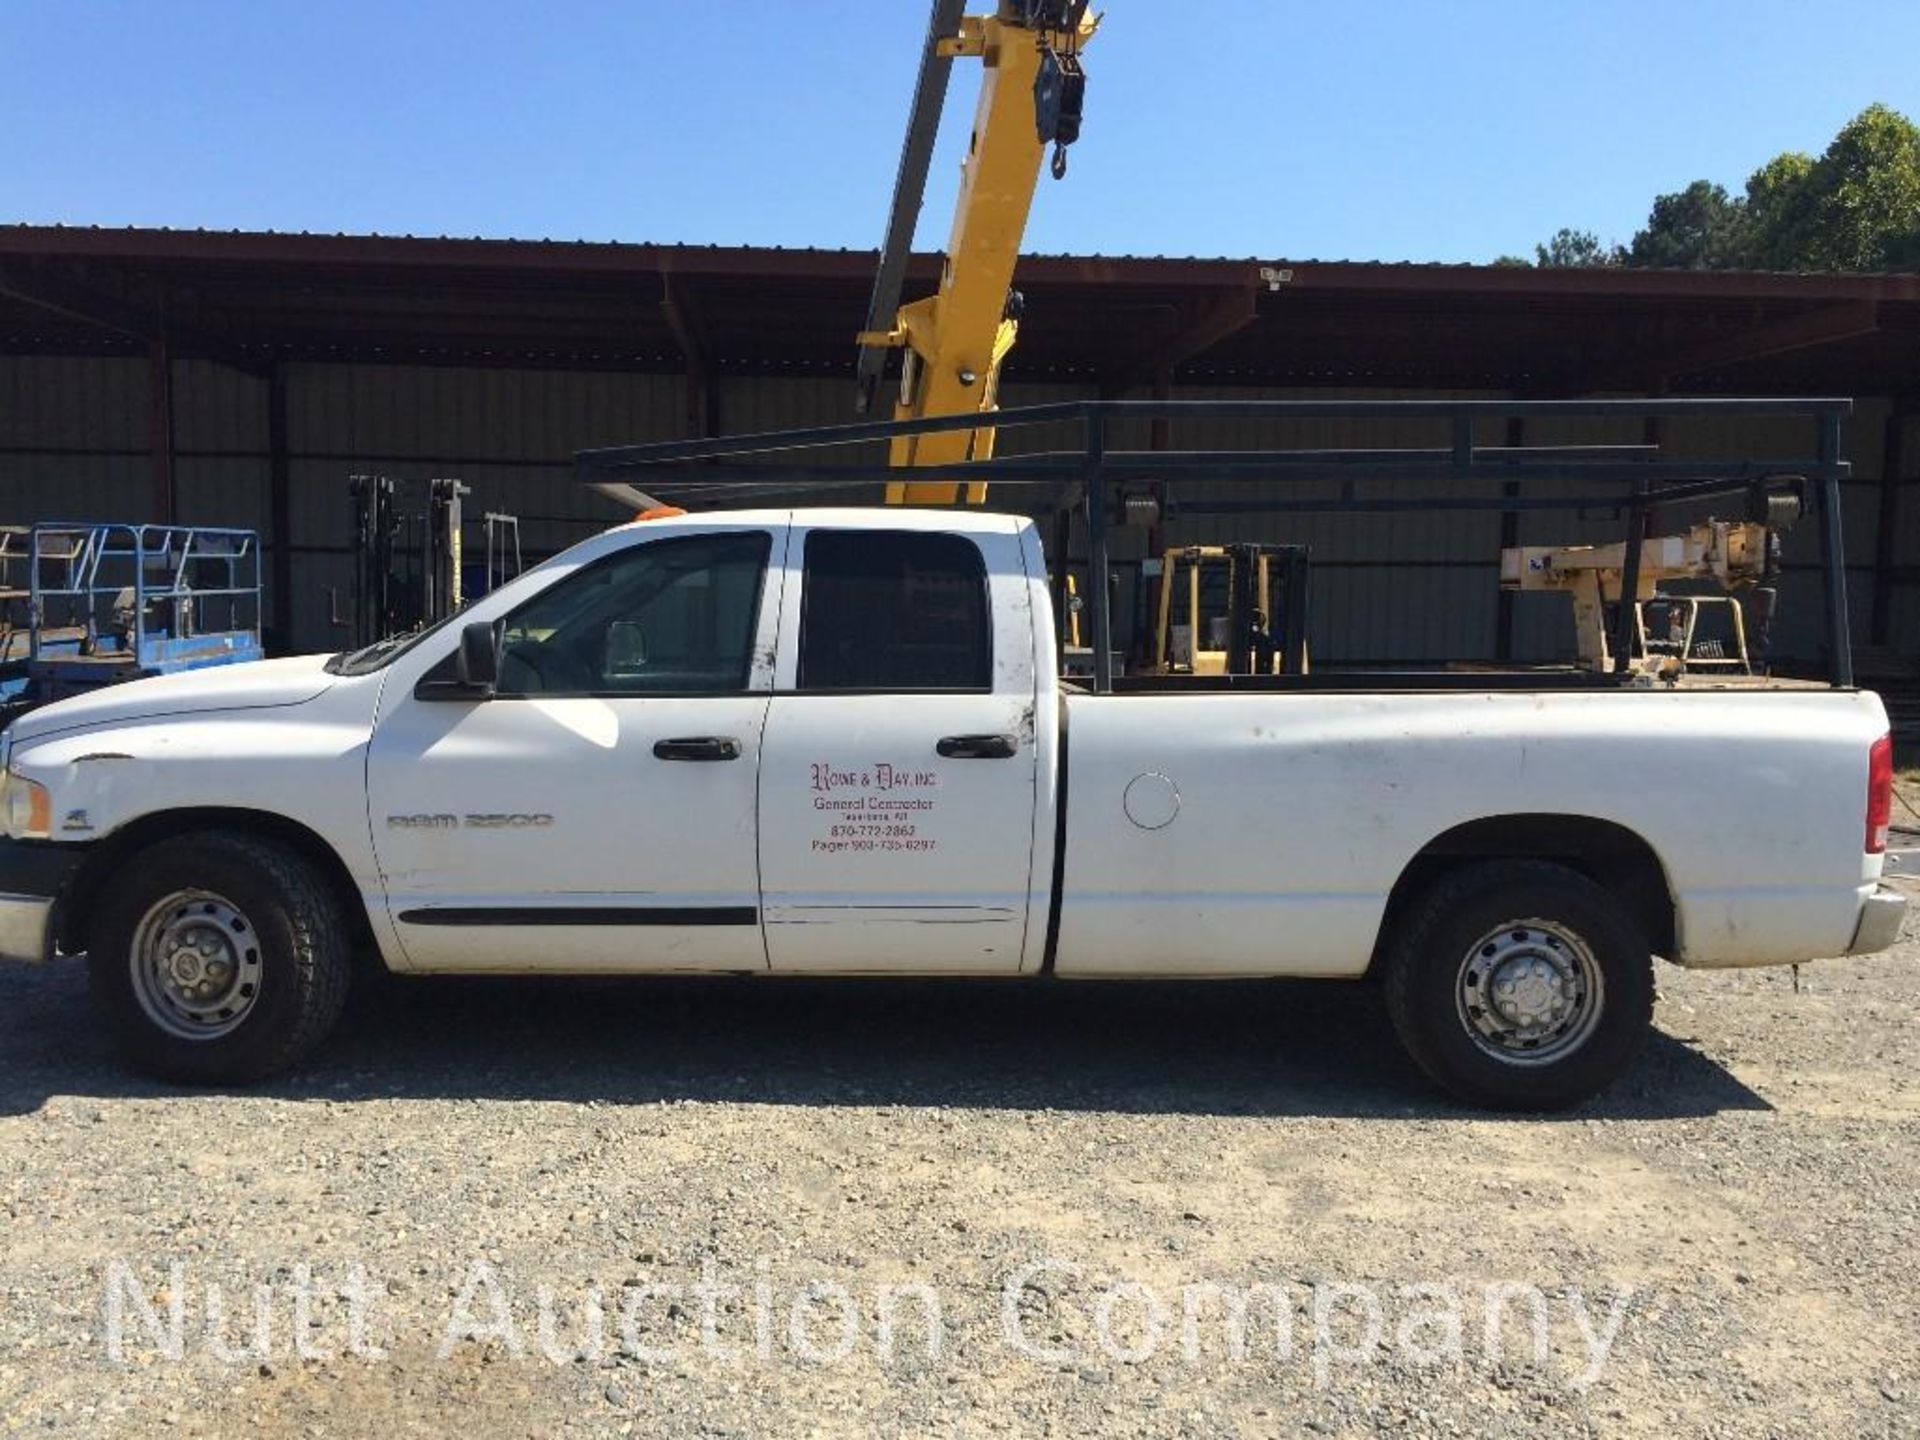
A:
832,742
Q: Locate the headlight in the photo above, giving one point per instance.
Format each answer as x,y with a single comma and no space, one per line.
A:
26,809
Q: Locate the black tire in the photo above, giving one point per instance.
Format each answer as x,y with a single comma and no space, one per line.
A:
301,962
1431,995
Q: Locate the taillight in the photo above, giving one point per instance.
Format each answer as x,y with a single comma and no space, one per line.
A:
1879,793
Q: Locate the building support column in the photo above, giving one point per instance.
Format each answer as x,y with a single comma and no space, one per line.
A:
682,309
1653,432
279,509
1159,437
165,490
703,409
1503,634
1886,534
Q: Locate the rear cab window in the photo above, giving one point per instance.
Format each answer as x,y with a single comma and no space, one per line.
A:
895,610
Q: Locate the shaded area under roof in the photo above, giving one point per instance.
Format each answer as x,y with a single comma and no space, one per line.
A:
1119,322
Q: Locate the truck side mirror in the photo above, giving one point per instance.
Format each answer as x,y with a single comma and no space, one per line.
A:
477,662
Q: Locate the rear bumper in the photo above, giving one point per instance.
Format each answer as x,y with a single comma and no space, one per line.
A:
32,878
1881,915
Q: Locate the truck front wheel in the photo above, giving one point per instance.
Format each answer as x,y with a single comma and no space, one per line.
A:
218,957
1519,985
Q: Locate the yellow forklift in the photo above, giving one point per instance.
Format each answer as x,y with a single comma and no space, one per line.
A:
1217,611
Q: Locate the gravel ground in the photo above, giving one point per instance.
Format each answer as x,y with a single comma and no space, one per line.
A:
1749,1190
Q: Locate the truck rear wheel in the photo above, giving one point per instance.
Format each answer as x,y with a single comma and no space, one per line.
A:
218,957
1520,985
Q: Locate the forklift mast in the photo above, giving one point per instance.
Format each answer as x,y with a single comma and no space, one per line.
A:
1253,621
410,555
955,339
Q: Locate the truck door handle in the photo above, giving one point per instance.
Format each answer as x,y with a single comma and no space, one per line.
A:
977,747
698,747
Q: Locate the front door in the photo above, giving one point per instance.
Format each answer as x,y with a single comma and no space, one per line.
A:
898,771
597,813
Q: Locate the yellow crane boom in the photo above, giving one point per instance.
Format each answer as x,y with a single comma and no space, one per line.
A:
956,338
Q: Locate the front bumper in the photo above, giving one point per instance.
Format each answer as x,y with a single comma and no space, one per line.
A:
32,878
1880,919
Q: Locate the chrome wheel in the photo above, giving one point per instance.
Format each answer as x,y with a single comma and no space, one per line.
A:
196,965
1530,992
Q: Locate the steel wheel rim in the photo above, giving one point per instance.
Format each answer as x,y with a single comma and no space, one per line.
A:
196,965
1530,992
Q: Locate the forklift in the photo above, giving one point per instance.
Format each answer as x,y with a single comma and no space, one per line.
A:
1227,622
410,561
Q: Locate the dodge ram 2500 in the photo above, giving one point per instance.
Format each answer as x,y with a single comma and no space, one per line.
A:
833,742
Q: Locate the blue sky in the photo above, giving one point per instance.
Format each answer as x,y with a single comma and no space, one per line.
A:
1437,130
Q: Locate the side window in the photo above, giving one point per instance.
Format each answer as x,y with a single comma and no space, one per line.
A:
668,617
894,610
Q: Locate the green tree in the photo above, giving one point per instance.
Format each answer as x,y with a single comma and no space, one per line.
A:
1698,228
1865,202
1778,212
1576,249
1855,208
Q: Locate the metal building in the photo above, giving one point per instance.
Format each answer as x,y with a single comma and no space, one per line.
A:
240,378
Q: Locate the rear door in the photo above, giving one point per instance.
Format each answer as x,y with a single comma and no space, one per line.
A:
897,782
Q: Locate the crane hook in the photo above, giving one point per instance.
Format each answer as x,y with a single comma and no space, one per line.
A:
1059,90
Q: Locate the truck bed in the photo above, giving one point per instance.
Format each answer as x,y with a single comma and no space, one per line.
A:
1208,831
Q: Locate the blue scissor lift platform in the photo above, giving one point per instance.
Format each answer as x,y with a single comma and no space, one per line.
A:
86,604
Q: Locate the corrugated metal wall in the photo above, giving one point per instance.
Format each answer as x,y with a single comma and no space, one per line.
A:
74,433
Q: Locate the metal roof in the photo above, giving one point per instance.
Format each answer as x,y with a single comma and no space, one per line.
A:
1118,321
